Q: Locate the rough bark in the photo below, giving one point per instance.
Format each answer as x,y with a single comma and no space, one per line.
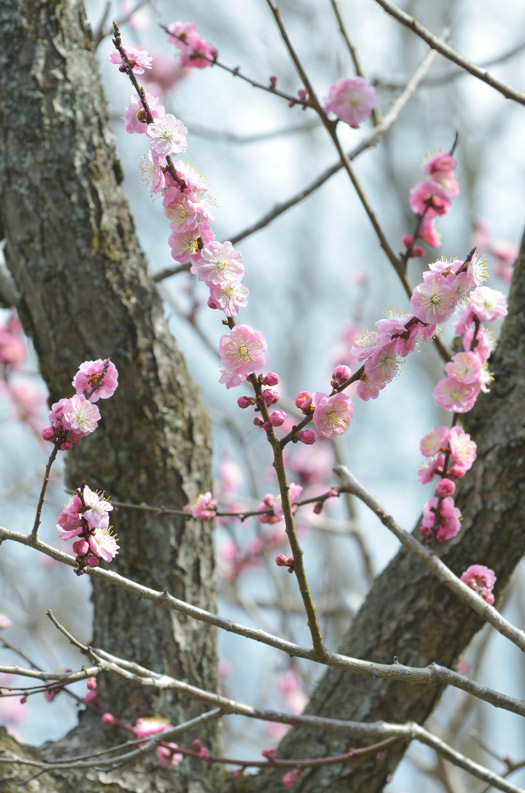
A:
85,293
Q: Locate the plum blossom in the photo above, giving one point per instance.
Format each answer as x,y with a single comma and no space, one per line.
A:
481,579
150,725
194,51
433,300
352,99
229,296
454,396
448,523
12,347
186,246
488,304
433,442
135,115
205,508
89,374
138,59
430,199
80,415
242,352
219,263
332,414
168,136
103,543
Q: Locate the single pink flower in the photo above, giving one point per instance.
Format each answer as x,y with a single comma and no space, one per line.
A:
204,508
465,367
455,396
219,263
168,136
333,414
138,59
150,725
352,99
88,376
230,296
433,300
243,351
104,544
433,442
135,115
429,198
80,415
481,579
462,449
488,304
195,52
186,246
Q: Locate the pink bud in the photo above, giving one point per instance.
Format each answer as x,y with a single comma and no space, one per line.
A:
92,683
80,547
196,743
408,240
270,753
48,434
90,697
244,402
273,81
303,401
307,437
318,508
211,303
259,422
277,418
204,753
271,379
271,396
281,560
446,487
416,251
92,561
340,375
109,720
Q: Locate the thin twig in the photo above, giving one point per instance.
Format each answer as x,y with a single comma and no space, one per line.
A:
433,41
424,675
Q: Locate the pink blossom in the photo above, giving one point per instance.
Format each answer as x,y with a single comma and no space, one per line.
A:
448,524
153,176
485,342
429,233
97,509
80,415
367,389
205,507
243,351
446,487
219,263
455,396
168,756
465,367
340,375
462,449
352,99
428,471
135,115
88,376
5,622
383,365
103,543
168,136
488,304
308,437
108,719
440,167
195,51
150,725
333,414
230,296
138,59
69,520
271,379
433,442
430,199
186,246
303,401
278,417
481,579
291,777
12,349
433,300
270,396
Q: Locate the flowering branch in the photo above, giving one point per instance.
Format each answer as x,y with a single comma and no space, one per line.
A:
433,562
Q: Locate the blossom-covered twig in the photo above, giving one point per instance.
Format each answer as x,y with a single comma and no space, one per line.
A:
433,562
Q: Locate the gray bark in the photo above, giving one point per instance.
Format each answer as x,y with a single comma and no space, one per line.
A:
85,293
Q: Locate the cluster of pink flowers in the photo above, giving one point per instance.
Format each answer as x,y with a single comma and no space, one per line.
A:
205,508
430,199
72,419
481,579
86,516
274,504
168,754
269,395
138,59
451,453
467,372
352,99
187,206
195,52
